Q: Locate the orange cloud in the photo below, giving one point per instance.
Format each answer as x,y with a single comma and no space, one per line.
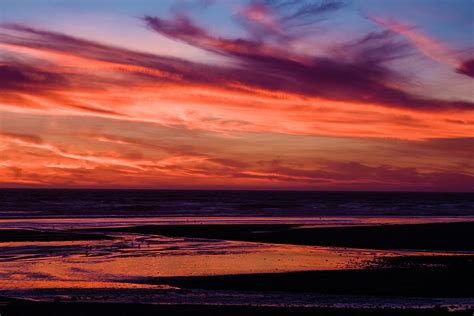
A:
174,92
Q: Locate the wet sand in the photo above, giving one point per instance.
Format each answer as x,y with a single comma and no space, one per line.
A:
18,307
433,236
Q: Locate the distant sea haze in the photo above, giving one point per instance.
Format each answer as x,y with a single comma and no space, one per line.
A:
31,203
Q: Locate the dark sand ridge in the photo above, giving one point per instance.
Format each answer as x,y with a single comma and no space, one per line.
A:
438,236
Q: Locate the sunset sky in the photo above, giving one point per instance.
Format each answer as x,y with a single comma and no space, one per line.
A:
237,94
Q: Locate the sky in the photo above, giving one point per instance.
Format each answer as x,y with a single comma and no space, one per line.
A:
237,94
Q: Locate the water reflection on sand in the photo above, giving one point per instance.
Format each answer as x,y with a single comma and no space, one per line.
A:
26,265
72,263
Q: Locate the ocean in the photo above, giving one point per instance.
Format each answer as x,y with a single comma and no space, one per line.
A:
47,203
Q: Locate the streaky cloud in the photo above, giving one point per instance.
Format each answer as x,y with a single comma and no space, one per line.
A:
362,79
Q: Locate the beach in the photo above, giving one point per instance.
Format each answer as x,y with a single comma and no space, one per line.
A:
233,269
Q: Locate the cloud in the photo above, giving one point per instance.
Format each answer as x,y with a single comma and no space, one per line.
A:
112,160
63,75
93,114
353,174
22,138
467,68
362,79
98,169
283,20
429,47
